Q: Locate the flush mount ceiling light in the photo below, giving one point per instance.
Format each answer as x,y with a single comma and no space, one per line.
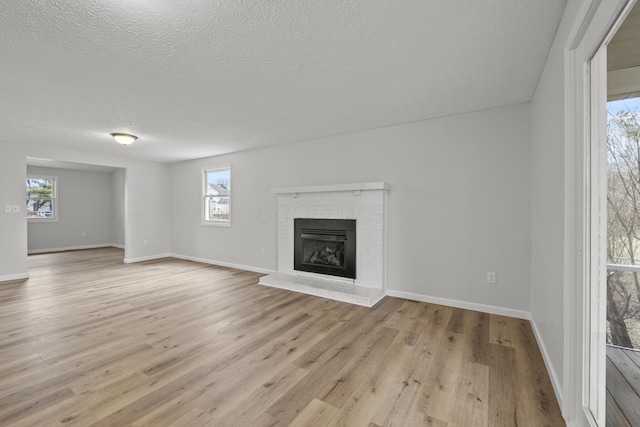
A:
124,138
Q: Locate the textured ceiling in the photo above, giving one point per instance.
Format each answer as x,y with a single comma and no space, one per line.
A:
194,78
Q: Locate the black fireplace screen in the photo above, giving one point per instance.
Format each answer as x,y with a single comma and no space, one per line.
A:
326,246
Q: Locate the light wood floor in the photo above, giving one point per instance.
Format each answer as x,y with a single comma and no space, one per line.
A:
90,341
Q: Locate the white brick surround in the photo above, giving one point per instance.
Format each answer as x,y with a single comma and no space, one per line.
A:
365,202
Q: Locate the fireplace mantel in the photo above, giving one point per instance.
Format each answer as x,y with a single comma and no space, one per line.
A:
362,186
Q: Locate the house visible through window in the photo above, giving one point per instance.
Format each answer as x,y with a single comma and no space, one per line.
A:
217,196
42,201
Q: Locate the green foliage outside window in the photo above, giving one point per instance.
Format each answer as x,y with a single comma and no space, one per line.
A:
40,197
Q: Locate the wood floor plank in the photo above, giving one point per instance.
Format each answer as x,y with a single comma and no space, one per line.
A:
500,331
410,399
628,369
316,414
622,392
88,340
195,417
415,323
472,396
478,338
440,381
94,404
86,364
614,416
339,386
503,408
385,387
330,356
262,397
534,386
155,397
634,355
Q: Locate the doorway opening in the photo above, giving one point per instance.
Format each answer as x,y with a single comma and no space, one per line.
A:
72,206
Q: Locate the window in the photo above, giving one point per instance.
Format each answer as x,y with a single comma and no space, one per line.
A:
42,203
217,196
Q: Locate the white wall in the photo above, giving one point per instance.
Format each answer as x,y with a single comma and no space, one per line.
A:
84,206
13,226
547,220
459,204
147,211
118,207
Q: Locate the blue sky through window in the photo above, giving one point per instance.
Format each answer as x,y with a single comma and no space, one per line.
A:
221,177
630,104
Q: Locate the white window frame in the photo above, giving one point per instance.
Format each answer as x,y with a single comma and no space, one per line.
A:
54,197
582,394
204,197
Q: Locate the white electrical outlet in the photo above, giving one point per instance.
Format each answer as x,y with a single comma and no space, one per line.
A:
7,208
145,242
491,277
16,208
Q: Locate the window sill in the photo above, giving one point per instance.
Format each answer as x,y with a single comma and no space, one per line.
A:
42,219
216,224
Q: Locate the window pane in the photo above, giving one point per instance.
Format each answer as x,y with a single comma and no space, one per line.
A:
219,181
39,187
217,195
40,197
217,208
39,208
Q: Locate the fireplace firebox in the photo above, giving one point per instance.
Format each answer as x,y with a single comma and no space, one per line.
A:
325,246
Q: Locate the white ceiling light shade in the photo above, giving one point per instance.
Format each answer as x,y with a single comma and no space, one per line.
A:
124,138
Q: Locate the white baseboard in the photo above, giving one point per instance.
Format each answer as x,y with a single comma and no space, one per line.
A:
73,248
547,362
13,277
518,314
224,264
146,258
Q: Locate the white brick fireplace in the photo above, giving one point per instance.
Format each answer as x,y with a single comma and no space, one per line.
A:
363,202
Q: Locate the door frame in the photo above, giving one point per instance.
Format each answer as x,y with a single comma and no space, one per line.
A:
584,379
